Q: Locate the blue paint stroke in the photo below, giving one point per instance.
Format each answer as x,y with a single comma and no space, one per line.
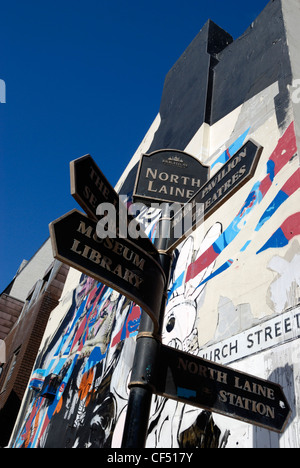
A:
277,240
246,246
177,283
95,357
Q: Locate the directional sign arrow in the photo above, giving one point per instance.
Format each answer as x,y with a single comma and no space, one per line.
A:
238,170
118,263
90,188
204,384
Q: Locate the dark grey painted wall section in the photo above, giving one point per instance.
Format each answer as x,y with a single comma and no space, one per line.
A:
187,90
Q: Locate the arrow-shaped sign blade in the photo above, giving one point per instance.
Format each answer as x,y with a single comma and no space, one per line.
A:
90,188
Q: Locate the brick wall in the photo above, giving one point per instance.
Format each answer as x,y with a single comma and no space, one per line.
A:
10,309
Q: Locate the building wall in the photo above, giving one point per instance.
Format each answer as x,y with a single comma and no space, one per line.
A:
234,289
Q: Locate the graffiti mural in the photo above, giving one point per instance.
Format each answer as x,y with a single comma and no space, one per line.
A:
84,354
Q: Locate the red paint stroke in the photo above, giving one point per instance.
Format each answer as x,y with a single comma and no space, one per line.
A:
292,184
291,226
285,149
202,262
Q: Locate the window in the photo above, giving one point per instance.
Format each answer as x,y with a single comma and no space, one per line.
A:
10,370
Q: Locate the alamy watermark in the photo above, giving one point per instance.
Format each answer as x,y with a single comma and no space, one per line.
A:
2,92
164,220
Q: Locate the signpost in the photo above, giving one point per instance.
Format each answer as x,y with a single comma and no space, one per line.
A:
204,384
140,270
118,263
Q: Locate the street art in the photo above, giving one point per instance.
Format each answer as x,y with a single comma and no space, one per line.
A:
283,153
230,151
84,359
85,353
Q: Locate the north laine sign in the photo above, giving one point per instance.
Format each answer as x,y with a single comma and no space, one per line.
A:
231,177
168,176
118,263
204,384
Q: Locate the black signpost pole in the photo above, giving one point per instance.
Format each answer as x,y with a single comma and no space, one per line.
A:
145,367
141,386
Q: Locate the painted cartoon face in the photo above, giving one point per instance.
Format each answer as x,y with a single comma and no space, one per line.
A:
187,289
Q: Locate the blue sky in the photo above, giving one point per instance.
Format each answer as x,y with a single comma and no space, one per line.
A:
83,77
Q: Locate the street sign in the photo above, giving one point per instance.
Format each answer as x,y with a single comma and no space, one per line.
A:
118,263
231,177
204,384
90,188
168,176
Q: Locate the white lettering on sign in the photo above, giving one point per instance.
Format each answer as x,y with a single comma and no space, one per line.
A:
247,404
273,332
118,269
